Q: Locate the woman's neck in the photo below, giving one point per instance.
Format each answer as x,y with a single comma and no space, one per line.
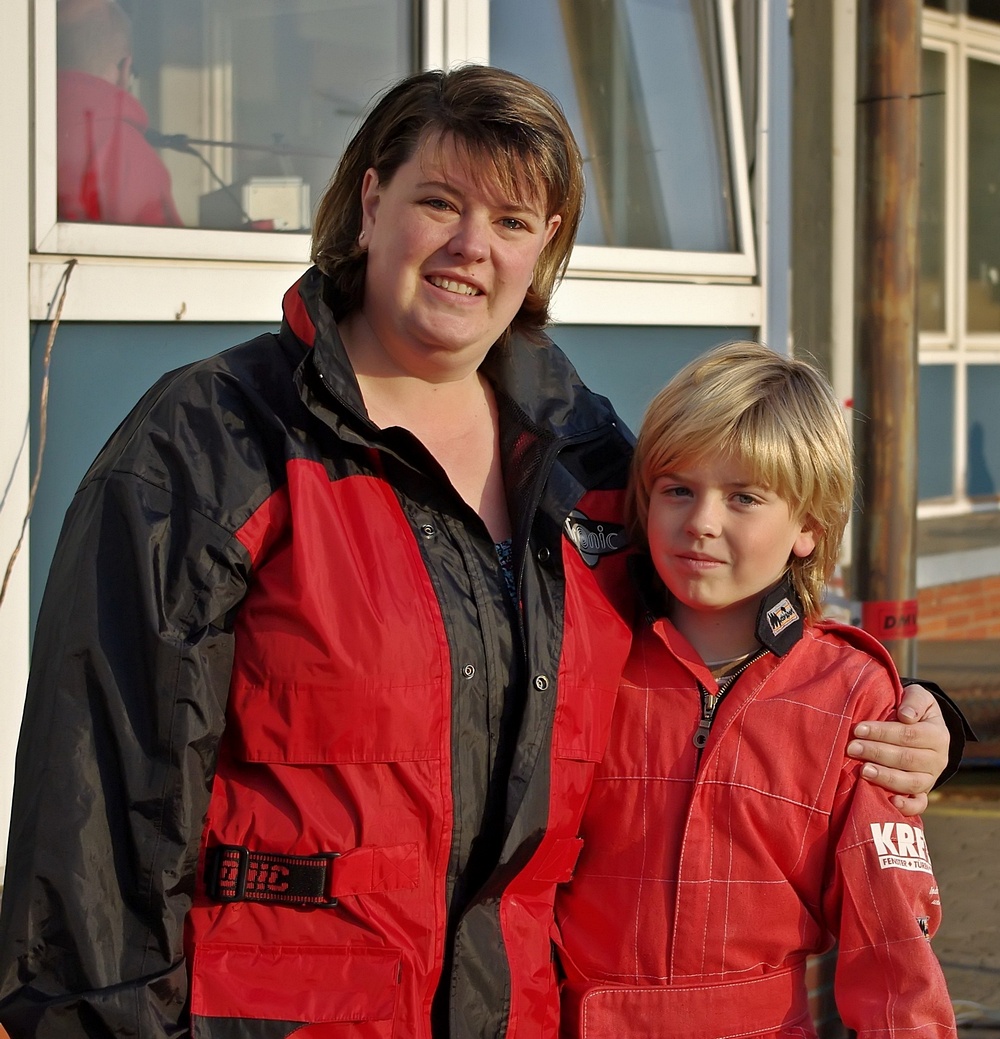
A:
455,419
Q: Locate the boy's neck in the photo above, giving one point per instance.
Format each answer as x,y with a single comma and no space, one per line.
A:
717,635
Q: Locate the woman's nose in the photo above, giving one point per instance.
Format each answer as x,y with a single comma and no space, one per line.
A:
470,240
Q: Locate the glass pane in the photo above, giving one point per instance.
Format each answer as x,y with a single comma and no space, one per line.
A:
988,9
983,389
215,113
936,433
983,293
641,83
932,198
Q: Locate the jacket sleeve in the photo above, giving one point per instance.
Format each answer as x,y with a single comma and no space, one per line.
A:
124,709
960,732
882,904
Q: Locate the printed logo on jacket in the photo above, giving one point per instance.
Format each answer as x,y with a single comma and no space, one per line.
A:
594,538
901,846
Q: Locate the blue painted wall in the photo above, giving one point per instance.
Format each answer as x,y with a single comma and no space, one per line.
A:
97,372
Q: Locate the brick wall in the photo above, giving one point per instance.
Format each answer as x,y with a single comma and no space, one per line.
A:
967,610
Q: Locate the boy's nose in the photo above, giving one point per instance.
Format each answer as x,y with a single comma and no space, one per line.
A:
704,520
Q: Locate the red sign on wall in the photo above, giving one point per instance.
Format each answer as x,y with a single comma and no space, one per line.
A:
890,620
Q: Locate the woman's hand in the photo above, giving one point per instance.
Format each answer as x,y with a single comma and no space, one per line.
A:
908,755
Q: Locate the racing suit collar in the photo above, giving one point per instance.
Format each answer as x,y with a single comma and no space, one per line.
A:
780,616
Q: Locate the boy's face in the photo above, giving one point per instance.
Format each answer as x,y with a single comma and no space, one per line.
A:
718,540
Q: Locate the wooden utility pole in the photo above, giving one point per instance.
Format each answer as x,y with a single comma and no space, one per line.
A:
888,141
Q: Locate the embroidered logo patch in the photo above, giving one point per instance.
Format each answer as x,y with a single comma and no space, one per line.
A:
781,615
901,846
594,538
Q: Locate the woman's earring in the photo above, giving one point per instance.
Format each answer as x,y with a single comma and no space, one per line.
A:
361,237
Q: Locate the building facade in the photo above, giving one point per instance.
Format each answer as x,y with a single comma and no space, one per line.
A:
699,225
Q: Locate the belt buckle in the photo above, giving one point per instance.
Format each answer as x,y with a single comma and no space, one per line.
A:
223,860
330,901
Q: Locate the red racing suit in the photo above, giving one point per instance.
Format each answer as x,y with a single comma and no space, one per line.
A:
721,849
266,663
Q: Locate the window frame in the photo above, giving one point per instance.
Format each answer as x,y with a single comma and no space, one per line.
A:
145,272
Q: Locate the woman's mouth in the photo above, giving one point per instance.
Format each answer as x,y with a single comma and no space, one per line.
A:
461,287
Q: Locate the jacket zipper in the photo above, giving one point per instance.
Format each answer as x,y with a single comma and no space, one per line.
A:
710,703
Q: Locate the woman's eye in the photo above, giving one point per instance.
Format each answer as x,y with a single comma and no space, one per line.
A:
512,223
437,203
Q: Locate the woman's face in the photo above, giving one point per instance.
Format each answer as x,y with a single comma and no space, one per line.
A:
449,260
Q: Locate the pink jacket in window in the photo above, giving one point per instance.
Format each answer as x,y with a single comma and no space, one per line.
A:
107,172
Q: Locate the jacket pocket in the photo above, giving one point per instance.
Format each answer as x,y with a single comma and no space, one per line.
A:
582,722
761,1009
314,992
367,722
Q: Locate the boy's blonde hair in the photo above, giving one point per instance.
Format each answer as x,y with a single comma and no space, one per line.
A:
776,414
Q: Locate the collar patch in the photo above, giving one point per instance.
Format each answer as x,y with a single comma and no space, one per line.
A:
594,538
779,620
781,615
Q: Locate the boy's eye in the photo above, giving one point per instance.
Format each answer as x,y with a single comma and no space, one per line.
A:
512,223
746,499
437,203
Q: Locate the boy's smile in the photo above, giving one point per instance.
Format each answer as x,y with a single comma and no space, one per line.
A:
719,540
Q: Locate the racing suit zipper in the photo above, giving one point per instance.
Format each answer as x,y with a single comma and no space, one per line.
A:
710,703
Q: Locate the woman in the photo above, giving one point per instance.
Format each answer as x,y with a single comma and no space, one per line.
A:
331,638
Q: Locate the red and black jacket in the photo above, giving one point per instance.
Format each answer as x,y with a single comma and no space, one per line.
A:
265,655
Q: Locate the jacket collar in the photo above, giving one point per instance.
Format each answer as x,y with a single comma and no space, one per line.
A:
536,378
780,617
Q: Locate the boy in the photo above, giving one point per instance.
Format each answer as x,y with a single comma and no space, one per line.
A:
727,836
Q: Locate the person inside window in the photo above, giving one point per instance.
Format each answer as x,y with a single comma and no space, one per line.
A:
107,172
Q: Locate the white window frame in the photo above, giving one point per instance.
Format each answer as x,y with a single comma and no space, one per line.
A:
960,38
167,274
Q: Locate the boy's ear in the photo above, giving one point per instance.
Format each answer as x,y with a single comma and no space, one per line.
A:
805,541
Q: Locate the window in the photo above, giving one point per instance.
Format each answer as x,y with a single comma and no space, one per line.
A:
983,187
960,263
237,111
933,285
221,114
653,103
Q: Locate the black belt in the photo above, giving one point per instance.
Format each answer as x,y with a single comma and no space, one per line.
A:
234,873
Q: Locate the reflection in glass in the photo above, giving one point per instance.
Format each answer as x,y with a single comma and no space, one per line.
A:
240,107
983,388
983,288
936,434
641,83
932,194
